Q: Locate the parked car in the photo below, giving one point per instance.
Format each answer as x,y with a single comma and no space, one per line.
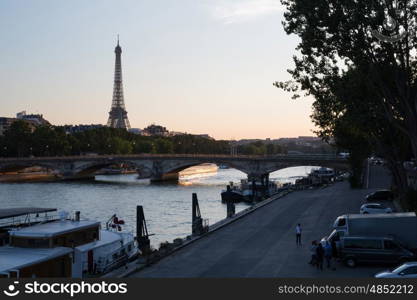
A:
378,250
407,270
374,208
380,195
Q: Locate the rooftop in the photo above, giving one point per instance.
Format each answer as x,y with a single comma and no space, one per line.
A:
53,228
21,211
384,216
12,258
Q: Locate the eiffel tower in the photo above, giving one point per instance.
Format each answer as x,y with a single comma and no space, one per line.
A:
118,114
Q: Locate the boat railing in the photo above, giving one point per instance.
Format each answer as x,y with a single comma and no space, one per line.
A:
16,222
114,258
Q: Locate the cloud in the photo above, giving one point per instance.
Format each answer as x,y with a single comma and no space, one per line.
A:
229,11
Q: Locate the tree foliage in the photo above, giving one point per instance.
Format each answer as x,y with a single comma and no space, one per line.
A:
365,87
20,141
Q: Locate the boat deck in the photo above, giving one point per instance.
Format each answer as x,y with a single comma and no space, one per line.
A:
53,228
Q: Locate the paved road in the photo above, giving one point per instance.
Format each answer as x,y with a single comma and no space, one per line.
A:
262,244
379,177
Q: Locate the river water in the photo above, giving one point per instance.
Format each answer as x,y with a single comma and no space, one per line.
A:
167,207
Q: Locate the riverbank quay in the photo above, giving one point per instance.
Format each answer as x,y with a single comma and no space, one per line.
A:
27,177
262,244
142,263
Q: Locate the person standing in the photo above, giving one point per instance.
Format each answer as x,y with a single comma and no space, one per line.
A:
328,253
313,251
320,256
334,250
298,235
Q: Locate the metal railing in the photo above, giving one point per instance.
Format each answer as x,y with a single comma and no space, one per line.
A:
184,156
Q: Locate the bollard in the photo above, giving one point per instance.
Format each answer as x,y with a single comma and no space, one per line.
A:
197,221
77,216
142,235
231,208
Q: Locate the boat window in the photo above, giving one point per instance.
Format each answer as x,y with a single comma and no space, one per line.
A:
38,243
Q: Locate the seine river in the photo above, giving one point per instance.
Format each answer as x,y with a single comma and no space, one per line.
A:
167,206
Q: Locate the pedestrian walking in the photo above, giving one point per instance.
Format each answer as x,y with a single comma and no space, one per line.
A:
328,254
320,256
313,251
298,234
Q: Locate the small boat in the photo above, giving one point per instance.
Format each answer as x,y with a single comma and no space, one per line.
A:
249,191
232,194
321,176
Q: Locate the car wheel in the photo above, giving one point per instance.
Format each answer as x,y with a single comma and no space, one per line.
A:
350,262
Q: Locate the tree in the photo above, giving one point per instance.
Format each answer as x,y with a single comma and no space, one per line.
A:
365,89
336,36
18,139
164,146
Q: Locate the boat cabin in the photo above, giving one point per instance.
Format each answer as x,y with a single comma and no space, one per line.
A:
41,246
62,233
35,243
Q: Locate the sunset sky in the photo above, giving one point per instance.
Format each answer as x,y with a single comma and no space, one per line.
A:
197,66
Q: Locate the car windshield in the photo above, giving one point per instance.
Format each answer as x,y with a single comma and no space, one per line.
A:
397,269
341,221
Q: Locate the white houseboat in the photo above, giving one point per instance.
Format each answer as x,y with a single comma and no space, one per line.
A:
32,245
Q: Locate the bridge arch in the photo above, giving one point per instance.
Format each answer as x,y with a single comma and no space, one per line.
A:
182,165
90,168
281,166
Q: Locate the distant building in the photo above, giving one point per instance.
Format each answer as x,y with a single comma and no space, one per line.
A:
155,130
135,131
32,120
71,129
247,141
206,136
309,138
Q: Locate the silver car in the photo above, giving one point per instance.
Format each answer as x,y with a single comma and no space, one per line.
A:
374,208
407,270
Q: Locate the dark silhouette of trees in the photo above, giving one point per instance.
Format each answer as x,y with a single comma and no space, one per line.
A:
21,140
365,88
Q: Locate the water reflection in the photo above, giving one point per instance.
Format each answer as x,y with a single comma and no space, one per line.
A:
167,205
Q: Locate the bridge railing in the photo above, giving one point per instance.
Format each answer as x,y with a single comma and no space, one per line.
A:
288,157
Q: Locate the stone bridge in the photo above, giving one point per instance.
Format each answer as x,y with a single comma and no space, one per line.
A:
167,166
